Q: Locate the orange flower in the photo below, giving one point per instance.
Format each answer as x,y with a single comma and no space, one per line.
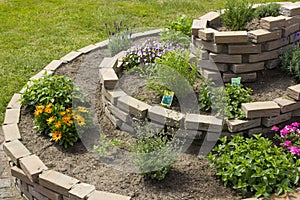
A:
38,110
62,113
67,120
58,124
49,105
56,136
80,120
48,110
82,109
50,120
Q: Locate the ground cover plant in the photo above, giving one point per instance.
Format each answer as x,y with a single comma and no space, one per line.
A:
290,61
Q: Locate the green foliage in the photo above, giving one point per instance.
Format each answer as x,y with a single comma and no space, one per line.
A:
265,10
237,14
255,165
182,24
205,95
290,62
175,37
49,89
105,145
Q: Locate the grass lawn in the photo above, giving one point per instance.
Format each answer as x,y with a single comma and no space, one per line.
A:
34,32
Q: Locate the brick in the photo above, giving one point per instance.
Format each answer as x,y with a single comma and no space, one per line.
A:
215,48
102,44
32,166
244,49
225,58
290,29
81,191
15,150
237,125
212,66
231,37
12,116
213,18
53,65
108,78
197,25
15,102
118,113
264,56
207,34
113,95
135,107
88,49
270,121
286,104
294,92
262,35
271,22
20,174
204,55
57,182
203,122
247,67
165,116
40,74
261,109
11,132
70,56
290,10
116,122
296,113
271,64
36,194
108,62
275,44
208,74
245,77
100,195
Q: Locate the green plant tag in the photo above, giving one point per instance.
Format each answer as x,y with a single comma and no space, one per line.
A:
236,81
167,98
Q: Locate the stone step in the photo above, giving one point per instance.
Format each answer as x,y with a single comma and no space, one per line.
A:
203,123
244,48
260,109
286,104
165,116
262,35
230,37
245,77
237,125
225,58
294,92
271,22
271,121
247,67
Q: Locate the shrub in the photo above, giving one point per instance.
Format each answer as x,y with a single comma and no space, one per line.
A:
205,95
59,123
255,165
270,9
175,37
289,138
49,89
182,24
237,14
290,62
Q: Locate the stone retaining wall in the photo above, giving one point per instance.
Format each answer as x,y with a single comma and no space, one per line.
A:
241,53
32,178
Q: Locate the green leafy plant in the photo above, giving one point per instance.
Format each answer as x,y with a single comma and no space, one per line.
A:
182,24
237,14
49,89
175,37
105,145
255,165
290,62
265,10
205,95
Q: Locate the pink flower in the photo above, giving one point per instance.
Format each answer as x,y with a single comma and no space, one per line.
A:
284,132
295,124
287,143
275,128
294,150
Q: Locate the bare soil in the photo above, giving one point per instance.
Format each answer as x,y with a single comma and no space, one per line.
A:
189,178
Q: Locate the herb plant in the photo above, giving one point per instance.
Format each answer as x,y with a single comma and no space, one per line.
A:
265,10
175,37
182,24
237,14
290,62
255,165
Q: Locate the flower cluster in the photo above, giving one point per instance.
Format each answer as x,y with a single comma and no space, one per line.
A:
146,53
59,122
289,137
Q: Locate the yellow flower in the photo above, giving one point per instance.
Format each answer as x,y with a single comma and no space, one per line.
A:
80,120
82,109
68,110
49,105
56,136
62,113
48,110
38,110
50,120
67,120
58,124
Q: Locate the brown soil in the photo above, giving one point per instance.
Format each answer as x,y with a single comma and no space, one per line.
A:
189,178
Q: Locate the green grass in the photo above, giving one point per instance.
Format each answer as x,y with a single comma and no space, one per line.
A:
34,32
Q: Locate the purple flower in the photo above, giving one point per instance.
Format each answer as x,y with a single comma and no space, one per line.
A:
284,132
287,143
294,150
295,124
275,128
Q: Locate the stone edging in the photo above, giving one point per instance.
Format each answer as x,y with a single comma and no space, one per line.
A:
33,179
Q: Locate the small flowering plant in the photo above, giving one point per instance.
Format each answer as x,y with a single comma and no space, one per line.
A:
289,137
60,123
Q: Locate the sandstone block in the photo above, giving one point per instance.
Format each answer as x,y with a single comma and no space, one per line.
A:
165,116
15,150
207,34
275,44
271,121
70,56
46,192
247,67
203,123
53,65
213,18
15,102
245,77
135,107
108,78
32,166
20,174
261,109
88,49
204,55
11,132
296,113
208,74
271,22
197,25
113,95
215,48
291,29
237,125
271,64
99,195
294,92
108,62
40,74
57,182
225,58
269,55
262,35
81,191
286,104
244,49
36,195
118,113
212,66
231,37
290,10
